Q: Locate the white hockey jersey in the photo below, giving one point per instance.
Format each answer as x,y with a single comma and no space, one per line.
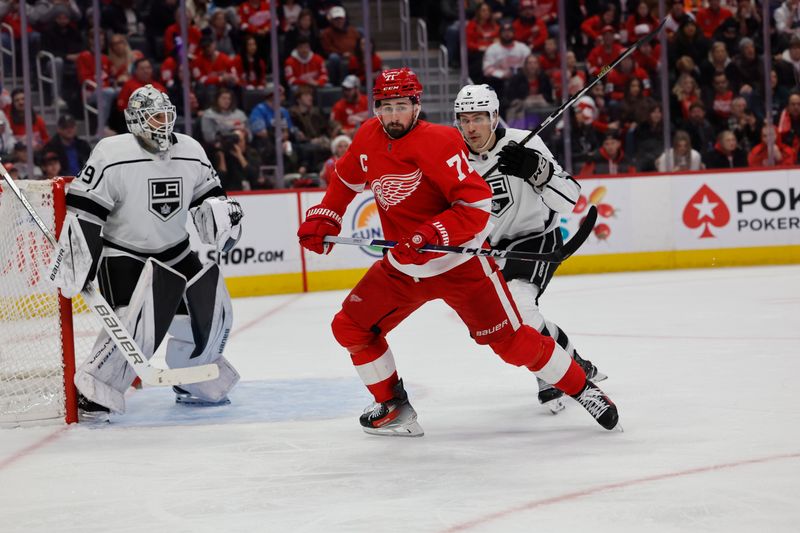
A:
518,210
142,199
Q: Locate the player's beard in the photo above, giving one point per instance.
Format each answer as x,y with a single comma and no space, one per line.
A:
396,129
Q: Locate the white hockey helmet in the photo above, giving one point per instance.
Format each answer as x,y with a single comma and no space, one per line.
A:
476,98
150,116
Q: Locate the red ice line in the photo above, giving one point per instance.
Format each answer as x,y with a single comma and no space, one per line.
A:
611,486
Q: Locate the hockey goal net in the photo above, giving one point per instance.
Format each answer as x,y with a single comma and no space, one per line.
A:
41,333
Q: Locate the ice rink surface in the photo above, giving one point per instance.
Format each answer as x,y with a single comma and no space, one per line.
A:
703,365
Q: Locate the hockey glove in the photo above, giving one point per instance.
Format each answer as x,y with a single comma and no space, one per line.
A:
526,163
320,222
218,222
407,250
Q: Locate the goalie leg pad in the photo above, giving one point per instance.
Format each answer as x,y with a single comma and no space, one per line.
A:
105,375
200,337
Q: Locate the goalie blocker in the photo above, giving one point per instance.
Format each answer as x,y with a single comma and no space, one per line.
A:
152,299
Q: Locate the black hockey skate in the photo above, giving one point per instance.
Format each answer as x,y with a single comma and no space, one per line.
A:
89,411
550,396
589,369
599,405
185,397
395,418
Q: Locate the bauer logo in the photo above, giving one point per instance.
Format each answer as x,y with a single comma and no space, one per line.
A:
367,225
166,197
705,210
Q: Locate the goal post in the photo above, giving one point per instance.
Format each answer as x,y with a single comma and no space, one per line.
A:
42,334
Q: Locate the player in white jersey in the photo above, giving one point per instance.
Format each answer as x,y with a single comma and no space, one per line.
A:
127,214
529,191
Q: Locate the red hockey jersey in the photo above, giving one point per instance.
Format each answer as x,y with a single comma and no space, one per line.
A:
423,177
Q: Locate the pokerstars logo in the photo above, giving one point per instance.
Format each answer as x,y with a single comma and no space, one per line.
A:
367,225
705,209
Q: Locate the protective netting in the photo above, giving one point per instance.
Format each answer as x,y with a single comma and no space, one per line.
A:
32,325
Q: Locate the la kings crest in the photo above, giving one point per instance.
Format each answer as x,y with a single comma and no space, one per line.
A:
502,200
165,196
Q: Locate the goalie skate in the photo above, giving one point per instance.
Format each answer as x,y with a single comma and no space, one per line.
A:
599,405
186,398
550,397
91,412
394,418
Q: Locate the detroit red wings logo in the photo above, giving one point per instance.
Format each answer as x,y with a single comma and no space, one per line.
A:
391,189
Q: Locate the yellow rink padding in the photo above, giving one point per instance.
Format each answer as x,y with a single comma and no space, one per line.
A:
266,284
765,255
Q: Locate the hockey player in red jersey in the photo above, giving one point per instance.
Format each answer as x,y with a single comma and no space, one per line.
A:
427,193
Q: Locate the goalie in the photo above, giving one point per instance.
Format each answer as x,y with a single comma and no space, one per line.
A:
126,221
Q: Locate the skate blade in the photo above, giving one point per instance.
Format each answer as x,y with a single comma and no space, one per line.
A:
96,418
412,429
599,376
555,406
198,402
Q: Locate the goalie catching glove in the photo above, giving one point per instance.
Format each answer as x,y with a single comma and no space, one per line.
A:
218,222
526,163
74,260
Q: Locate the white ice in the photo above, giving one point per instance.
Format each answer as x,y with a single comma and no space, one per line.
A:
702,364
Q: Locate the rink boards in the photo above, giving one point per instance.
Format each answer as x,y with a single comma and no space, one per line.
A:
702,219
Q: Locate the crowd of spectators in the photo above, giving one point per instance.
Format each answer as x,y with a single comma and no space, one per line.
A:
716,88
321,68
715,81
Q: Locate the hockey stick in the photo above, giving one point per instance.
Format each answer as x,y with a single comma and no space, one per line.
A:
580,94
148,373
556,256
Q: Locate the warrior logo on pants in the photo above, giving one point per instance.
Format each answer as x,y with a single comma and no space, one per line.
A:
165,197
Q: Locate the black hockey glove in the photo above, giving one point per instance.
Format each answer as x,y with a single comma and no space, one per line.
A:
526,163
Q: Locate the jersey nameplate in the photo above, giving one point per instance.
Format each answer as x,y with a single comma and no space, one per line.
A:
166,196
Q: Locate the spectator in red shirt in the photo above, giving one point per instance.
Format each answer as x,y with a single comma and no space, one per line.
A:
528,28
759,157
142,75
604,53
173,35
255,17
640,23
719,99
618,78
648,56
251,69
339,42
576,77
16,119
304,67
356,64
351,110
550,60
789,122
709,18
481,31
212,67
595,26
86,72
339,146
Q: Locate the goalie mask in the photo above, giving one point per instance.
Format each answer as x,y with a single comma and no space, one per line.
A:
150,117
477,99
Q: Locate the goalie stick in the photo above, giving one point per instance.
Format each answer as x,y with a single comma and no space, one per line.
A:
148,373
557,256
580,94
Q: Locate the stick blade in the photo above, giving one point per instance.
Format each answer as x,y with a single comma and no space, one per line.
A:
572,245
160,377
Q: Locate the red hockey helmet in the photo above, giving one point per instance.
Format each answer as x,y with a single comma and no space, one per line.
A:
397,83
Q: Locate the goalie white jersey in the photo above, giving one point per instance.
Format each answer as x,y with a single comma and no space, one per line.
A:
140,198
518,210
